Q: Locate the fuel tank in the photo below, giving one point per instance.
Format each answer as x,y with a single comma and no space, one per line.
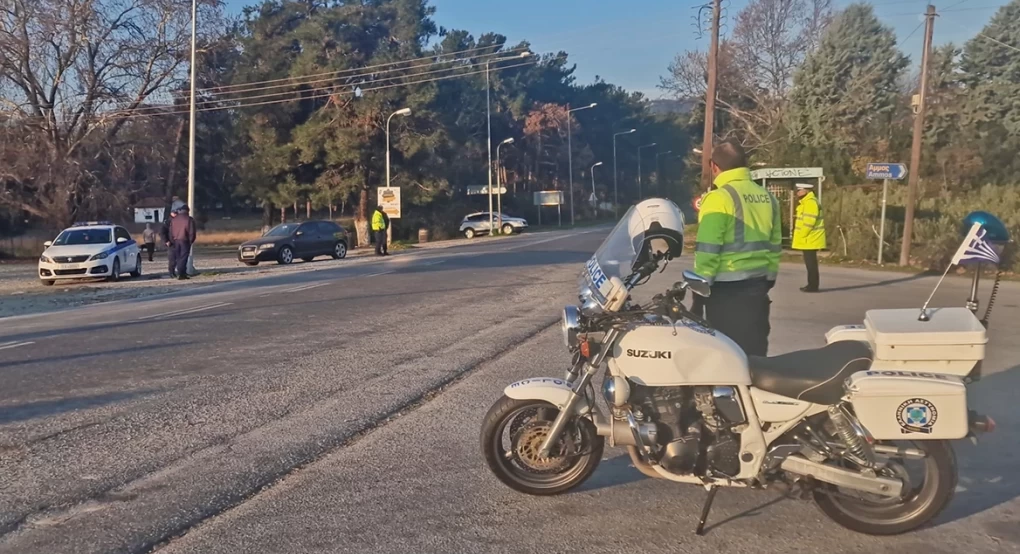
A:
686,353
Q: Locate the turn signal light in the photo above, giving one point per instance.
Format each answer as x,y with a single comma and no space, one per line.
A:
585,348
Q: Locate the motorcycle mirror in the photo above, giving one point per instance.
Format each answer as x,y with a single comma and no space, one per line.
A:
698,284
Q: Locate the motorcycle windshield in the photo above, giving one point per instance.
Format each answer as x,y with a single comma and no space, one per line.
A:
614,258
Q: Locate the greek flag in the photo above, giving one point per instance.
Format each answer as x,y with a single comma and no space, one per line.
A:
975,248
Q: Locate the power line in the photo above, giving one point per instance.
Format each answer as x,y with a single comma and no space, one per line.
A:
165,110
954,5
360,71
997,41
921,24
974,9
317,89
370,89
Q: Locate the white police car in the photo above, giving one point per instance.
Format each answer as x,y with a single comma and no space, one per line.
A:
93,250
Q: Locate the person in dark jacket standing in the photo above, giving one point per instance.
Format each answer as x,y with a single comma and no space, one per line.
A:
171,262
182,234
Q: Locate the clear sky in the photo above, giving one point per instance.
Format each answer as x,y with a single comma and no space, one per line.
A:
630,42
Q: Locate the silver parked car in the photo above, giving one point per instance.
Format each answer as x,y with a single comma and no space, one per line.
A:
478,224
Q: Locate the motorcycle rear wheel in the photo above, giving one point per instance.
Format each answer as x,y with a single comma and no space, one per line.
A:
512,432
921,502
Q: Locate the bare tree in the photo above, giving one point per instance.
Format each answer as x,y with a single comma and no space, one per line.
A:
756,66
73,75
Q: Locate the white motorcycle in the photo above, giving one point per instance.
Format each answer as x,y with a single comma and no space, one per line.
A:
844,424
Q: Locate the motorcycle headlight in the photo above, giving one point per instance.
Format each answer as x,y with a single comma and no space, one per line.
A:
99,256
266,246
571,326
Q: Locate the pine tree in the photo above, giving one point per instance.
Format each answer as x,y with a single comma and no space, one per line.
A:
846,91
991,71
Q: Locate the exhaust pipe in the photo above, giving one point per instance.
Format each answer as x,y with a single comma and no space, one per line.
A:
979,423
842,477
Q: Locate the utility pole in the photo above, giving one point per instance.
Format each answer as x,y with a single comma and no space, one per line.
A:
713,67
915,149
192,204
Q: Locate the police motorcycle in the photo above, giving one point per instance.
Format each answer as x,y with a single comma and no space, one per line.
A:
861,425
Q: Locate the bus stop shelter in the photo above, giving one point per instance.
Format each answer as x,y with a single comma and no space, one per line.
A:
782,181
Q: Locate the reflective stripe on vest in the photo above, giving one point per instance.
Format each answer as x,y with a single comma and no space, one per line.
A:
739,244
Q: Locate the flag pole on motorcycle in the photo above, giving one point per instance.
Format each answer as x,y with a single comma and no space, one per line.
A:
984,242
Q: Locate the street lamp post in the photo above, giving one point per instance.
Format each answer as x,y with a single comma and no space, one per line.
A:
499,186
402,111
639,194
594,196
616,200
658,171
570,158
488,124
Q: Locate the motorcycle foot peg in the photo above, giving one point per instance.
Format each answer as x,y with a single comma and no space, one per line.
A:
700,530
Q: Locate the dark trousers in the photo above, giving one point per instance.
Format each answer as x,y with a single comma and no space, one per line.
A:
740,310
149,247
182,250
380,243
171,260
811,262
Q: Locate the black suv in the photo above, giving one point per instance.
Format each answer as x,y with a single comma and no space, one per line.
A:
289,241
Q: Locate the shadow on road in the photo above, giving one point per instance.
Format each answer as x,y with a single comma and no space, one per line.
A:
988,471
45,408
904,279
752,512
612,473
79,356
504,260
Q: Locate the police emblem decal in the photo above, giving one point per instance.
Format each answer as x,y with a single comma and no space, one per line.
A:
916,415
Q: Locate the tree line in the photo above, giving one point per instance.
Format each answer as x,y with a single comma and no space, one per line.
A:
803,85
293,98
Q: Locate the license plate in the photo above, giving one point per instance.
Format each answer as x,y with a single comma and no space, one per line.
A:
68,266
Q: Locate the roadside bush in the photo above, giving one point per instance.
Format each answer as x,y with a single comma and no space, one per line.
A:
853,214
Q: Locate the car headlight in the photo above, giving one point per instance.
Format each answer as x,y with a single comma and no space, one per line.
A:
99,256
266,246
44,259
571,326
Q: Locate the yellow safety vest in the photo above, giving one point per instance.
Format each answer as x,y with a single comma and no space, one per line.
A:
378,223
739,230
809,226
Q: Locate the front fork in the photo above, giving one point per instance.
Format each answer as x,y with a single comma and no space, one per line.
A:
577,391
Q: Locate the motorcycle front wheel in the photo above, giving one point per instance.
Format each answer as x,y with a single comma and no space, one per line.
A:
929,485
513,432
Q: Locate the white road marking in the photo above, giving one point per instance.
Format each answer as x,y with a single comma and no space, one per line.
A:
432,263
560,237
378,274
15,344
186,311
307,287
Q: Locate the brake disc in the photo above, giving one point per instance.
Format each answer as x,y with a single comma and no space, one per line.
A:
527,441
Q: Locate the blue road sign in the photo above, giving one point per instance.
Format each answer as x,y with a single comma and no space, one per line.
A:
886,171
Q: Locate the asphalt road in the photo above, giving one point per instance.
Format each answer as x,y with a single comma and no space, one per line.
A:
338,411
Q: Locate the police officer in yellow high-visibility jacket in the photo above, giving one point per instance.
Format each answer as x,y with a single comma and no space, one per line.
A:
380,221
809,232
738,250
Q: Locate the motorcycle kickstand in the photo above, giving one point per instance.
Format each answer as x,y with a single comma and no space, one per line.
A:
700,530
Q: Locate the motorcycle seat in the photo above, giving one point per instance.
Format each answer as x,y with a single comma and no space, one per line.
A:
811,375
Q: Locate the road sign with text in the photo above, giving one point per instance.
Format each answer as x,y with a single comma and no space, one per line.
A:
389,199
886,171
